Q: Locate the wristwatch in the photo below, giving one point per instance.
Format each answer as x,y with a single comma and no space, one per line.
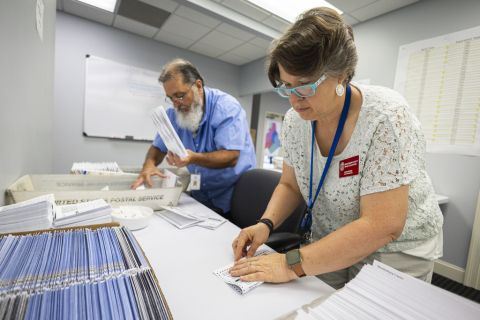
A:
294,261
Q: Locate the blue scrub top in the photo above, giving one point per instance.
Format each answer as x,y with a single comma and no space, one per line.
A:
223,127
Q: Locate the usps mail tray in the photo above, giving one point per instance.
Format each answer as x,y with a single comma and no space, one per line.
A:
70,189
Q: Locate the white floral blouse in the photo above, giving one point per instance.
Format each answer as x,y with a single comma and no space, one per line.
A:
390,147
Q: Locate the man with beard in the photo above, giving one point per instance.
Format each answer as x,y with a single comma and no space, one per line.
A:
213,128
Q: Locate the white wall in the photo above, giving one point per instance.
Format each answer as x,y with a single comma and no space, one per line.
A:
77,37
377,42
26,90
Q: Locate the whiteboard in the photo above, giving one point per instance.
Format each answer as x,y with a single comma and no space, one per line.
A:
119,100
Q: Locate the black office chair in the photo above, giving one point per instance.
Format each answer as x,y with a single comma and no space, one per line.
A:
249,201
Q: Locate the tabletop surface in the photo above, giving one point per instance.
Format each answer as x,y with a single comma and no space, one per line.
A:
184,261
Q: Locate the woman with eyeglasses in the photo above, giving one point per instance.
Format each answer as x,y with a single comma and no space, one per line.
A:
354,154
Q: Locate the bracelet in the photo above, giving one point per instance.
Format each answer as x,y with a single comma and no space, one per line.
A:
268,223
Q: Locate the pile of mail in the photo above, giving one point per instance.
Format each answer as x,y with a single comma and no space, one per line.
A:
41,213
84,213
33,214
381,292
191,214
167,132
81,273
99,168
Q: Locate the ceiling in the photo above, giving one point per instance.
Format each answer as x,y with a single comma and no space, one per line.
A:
233,31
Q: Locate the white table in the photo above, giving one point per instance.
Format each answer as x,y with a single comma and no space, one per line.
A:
184,261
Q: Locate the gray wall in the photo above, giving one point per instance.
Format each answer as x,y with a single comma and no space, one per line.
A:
76,37
253,78
246,102
378,41
26,90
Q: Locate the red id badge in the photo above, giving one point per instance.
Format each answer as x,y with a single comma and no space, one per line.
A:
348,167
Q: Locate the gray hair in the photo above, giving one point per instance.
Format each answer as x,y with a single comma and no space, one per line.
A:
180,66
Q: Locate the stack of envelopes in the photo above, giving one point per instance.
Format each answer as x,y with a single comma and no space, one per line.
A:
79,273
33,214
84,213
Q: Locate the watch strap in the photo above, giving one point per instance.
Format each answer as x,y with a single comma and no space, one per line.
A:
268,223
297,268
294,261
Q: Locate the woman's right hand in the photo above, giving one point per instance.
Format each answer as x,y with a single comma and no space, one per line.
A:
249,239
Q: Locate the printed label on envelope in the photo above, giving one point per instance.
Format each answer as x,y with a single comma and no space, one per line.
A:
348,167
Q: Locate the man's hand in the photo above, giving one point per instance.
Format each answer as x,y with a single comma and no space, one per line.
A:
175,160
145,177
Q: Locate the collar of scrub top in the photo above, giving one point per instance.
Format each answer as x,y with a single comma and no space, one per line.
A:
306,224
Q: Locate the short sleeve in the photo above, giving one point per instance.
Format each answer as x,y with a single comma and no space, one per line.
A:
395,155
231,125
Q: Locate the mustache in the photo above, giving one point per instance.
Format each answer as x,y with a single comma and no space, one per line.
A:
184,108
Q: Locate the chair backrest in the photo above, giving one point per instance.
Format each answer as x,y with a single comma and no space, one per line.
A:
251,195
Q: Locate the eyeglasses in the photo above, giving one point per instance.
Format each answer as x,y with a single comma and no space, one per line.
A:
304,91
178,97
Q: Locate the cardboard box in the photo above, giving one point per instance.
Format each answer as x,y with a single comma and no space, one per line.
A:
70,189
94,227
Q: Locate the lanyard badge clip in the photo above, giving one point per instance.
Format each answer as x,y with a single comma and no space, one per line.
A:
306,226
307,237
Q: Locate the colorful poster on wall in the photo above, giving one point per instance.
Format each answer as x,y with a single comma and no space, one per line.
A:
271,141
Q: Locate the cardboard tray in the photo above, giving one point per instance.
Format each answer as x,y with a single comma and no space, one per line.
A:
70,189
94,227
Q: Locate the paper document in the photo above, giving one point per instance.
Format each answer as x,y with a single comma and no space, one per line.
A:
381,292
84,213
33,214
182,218
42,213
238,285
167,132
211,222
178,217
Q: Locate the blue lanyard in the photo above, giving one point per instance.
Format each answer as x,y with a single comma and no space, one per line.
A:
306,223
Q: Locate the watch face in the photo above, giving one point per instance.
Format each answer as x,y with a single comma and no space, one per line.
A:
293,257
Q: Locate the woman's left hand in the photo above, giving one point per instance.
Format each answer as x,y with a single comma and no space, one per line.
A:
268,268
